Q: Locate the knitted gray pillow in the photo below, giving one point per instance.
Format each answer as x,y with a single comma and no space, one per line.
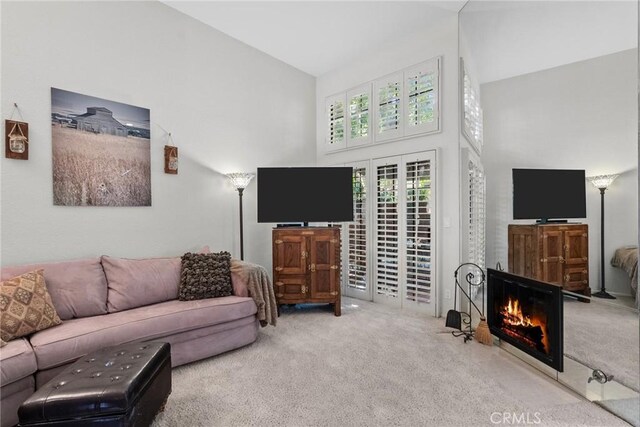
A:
205,276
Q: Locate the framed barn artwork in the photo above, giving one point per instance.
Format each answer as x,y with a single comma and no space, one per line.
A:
101,151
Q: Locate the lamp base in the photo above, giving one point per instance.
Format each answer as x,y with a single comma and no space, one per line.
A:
603,294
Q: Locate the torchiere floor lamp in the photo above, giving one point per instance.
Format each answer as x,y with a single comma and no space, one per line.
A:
240,180
602,182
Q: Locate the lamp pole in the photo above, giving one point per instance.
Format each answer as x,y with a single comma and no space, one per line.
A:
602,182
603,292
240,191
240,180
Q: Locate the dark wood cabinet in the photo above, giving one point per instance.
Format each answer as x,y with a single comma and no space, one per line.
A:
306,265
554,253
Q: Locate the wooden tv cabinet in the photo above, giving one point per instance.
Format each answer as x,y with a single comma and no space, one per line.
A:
306,265
554,253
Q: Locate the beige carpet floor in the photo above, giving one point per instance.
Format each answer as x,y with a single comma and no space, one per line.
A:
374,366
603,336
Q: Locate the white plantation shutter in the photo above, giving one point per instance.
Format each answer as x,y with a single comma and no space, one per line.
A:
388,94
472,127
422,95
387,229
359,116
418,239
404,241
336,110
357,253
477,218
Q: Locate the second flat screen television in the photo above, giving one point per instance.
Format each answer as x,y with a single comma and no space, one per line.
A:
544,194
305,194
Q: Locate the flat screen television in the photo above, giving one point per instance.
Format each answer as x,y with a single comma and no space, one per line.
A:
305,194
547,194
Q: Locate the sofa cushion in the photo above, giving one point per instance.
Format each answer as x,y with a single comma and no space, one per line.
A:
139,282
25,306
77,288
17,361
78,337
205,276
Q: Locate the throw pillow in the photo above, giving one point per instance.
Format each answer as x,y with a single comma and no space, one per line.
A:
205,276
25,306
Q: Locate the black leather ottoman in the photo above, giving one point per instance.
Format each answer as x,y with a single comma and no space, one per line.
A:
125,385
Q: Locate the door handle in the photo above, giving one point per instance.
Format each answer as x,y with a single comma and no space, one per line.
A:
312,267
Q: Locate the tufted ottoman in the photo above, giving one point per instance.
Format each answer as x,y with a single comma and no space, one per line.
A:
125,385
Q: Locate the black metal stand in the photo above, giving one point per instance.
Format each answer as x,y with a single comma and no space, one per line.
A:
474,279
240,191
603,291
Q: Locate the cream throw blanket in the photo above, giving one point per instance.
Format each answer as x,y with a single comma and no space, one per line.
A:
260,289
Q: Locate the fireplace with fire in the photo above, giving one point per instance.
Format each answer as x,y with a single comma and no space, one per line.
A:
527,314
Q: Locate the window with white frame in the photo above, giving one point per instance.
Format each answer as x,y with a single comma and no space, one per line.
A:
357,259
358,131
403,104
472,127
387,230
477,217
403,231
388,101
336,121
419,274
422,98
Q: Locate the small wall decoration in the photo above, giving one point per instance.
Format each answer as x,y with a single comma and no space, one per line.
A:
16,140
101,151
171,159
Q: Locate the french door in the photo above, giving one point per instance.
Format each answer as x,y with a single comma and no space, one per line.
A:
404,231
356,235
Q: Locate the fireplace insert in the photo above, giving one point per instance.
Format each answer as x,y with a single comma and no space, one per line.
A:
527,314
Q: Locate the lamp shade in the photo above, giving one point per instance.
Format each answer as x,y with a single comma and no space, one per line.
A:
602,181
240,180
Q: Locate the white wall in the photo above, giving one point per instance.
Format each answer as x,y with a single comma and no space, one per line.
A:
578,116
412,49
229,107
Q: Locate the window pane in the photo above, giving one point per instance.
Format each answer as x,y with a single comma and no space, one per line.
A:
421,99
389,107
336,122
359,115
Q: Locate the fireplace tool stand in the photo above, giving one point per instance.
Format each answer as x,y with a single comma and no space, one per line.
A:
475,279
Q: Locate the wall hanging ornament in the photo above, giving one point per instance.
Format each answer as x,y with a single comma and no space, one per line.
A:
16,137
170,157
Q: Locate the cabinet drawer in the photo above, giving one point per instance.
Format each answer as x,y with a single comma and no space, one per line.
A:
576,277
290,287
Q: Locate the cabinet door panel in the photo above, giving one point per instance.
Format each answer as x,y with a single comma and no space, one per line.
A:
576,247
522,251
291,253
324,265
552,256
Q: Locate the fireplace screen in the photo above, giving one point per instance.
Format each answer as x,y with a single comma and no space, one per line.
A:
527,314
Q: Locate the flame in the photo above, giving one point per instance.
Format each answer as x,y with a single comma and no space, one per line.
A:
513,316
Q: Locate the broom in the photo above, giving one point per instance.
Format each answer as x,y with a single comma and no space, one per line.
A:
483,334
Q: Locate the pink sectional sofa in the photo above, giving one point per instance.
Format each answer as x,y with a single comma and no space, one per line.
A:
108,301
